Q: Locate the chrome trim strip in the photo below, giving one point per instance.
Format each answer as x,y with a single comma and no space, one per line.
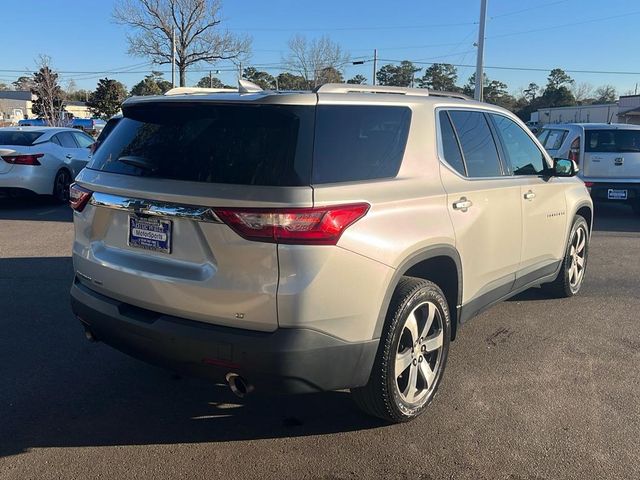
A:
144,207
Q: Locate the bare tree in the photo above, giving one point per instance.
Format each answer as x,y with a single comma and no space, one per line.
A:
582,92
311,58
49,101
195,23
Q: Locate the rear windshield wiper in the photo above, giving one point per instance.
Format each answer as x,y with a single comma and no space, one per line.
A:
138,162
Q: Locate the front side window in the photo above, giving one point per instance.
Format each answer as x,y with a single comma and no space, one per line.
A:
84,140
525,157
478,147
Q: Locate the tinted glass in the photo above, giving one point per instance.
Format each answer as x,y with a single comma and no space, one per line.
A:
525,157
232,144
359,142
478,147
22,139
618,141
83,139
553,139
107,129
66,140
450,147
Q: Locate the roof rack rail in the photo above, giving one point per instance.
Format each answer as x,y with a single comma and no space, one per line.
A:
351,88
198,90
443,93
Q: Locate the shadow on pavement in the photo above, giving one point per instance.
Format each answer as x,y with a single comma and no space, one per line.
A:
612,217
58,390
34,208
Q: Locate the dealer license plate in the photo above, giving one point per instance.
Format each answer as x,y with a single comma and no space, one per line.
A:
150,234
615,194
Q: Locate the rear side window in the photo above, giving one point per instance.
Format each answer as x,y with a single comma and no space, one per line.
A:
478,147
84,140
22,139
552,139
66,140
610,141
450,148
359,142
265,145
523,154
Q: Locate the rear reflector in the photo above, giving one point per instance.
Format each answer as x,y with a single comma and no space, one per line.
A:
23,159
588,184
304,226
78,197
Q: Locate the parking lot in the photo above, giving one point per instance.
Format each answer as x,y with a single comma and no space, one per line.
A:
535,388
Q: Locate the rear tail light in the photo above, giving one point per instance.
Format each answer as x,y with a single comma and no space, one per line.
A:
306,226
23,159
78,197
588,184
574,151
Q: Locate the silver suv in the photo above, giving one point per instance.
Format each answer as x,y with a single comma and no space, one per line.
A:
301,242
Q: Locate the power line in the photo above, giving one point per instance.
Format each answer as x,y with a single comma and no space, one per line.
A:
537,7
572,24
340,29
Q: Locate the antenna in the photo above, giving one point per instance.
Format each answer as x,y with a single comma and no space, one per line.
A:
245,86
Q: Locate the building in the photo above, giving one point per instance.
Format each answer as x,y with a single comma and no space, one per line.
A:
604,113
629,109
15,105
625,110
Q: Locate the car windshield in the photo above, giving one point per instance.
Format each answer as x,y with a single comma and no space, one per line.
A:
23,139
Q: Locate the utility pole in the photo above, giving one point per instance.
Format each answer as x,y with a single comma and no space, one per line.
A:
173,57
480,60
375,65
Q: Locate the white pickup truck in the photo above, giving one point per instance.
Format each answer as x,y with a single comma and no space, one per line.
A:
608,156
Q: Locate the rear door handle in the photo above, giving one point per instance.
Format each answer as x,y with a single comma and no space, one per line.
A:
529,195
463,204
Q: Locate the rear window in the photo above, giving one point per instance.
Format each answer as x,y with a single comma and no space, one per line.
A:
269,145
552,139
23,139
618,141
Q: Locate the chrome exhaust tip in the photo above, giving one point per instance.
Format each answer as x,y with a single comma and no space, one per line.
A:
238,385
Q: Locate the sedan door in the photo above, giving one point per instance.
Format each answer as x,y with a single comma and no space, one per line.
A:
484,206
542,199
75,156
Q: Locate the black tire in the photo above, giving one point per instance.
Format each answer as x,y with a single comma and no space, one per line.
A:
382,396
61,186
563,286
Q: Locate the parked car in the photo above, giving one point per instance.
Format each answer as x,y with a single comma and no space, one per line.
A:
300,242
113,121
41,160
608,156
92,126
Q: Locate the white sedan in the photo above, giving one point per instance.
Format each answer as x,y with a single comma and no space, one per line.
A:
42,160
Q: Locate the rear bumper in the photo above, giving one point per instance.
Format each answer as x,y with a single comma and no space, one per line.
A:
600,191
283,361
36,179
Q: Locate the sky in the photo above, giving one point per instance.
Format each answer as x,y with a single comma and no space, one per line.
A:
85,43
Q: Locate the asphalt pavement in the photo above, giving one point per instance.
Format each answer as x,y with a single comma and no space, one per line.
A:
534,388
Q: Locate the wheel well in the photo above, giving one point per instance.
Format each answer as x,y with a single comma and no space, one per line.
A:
442,271
587,214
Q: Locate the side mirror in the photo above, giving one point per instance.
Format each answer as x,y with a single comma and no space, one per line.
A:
563,167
